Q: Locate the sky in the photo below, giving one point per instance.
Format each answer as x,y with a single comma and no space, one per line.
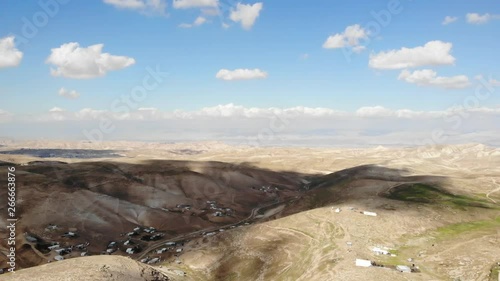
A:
391,72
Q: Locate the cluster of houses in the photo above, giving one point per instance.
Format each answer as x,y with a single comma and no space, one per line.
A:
69,234
186,207
62,251
154,237
268,189
151,235
385,251
219,211
51,227
149,260
171,246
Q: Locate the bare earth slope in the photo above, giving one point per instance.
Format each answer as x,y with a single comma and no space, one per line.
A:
437,209
98,268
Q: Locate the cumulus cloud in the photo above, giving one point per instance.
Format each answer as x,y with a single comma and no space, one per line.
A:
9,55
211,12
73,61
428,77
246,14
490,81
56,109
70,94
297,113
349,38
432,53
449,19
197,22
241,74
186,4
494,82
144,6
475,18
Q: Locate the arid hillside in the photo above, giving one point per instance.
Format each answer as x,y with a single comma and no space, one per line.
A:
215,212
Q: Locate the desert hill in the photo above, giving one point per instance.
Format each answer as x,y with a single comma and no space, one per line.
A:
286,213
98,268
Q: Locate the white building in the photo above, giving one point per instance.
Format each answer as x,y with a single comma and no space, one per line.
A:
179,272
380,251
53,247
372,214
363,263
60,250
155,260
403,268
178,250
130,251
58,258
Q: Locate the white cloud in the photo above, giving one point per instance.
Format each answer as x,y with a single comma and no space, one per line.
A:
432,53
210,12
494,82
70,94
349,38
56,109
449,19
428,77
197,22
241,74
296,113
9,55
246,14
73,61
475,18
358,49
304,56
144,6
186,4
491,81
374,111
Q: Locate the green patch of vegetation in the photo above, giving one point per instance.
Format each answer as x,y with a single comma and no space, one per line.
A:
494,272
459,228
424,193
393,261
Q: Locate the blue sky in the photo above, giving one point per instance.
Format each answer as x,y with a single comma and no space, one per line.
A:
284,41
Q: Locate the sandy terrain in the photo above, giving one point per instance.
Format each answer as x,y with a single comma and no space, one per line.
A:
299,238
